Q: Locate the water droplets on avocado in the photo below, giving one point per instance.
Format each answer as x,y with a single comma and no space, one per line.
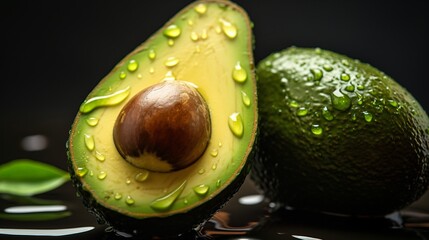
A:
100,157
327,67
172,31
235,124
214,166
393,103
293,104
129,200
89,142
169,76
171,62
104,101
245,98
317,74
141,176
170,42
122,75
201,171
214,152
345,62
218,183
165,202
117,196
340,101
151,54
228,28
151,70
345,77
132,65
239,74
327,114
204,34
194,36
316,129
81,171
92,121
128,181
360,87
301,112
350,88
367,116
102,175
200,8
201,190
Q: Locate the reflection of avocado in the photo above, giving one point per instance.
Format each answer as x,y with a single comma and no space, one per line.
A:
337,135
163,140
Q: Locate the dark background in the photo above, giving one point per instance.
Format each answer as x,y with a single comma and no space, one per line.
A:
55,52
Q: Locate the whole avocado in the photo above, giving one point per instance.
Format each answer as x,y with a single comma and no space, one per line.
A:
337,135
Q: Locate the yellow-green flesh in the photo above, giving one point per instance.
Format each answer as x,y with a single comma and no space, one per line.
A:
207,53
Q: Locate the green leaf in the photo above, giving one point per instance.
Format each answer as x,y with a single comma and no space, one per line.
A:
25,177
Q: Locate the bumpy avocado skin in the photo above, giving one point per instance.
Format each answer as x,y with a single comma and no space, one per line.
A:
176,223
368,155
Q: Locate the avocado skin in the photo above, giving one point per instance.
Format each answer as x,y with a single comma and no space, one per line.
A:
355,167
168,227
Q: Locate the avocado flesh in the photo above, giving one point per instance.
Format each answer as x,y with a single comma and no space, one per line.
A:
337,135
205,44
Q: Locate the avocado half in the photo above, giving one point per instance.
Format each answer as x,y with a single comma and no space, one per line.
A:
164,140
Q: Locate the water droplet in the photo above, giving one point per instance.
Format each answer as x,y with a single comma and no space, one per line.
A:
327,114
170,42
214,166
218,29
317,74
201,190
142,175
152,54
89,142
194,36
92,121
345,62
172,31
204,35
214,153
102,175
327,67
128,181
393,103
367,116
139,76
218,183
245,99
235,124
100,157
129,201
81,171
293,104
201,171
122,75
91,173
345,77
185,201
354,117
316,129
151,70
228,28
104,101
171,62
117,196
169,76
164,203
239,74
200,8
318,50
197,49
340,101
301,112
360,87
350,88
132,65
219,144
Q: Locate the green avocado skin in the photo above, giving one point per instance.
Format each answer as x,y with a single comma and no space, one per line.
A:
337,135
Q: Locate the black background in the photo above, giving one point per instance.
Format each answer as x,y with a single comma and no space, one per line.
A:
55,52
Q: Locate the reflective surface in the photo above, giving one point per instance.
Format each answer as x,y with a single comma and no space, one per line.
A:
247,216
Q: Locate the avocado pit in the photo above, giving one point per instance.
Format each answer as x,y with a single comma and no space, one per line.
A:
165,127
